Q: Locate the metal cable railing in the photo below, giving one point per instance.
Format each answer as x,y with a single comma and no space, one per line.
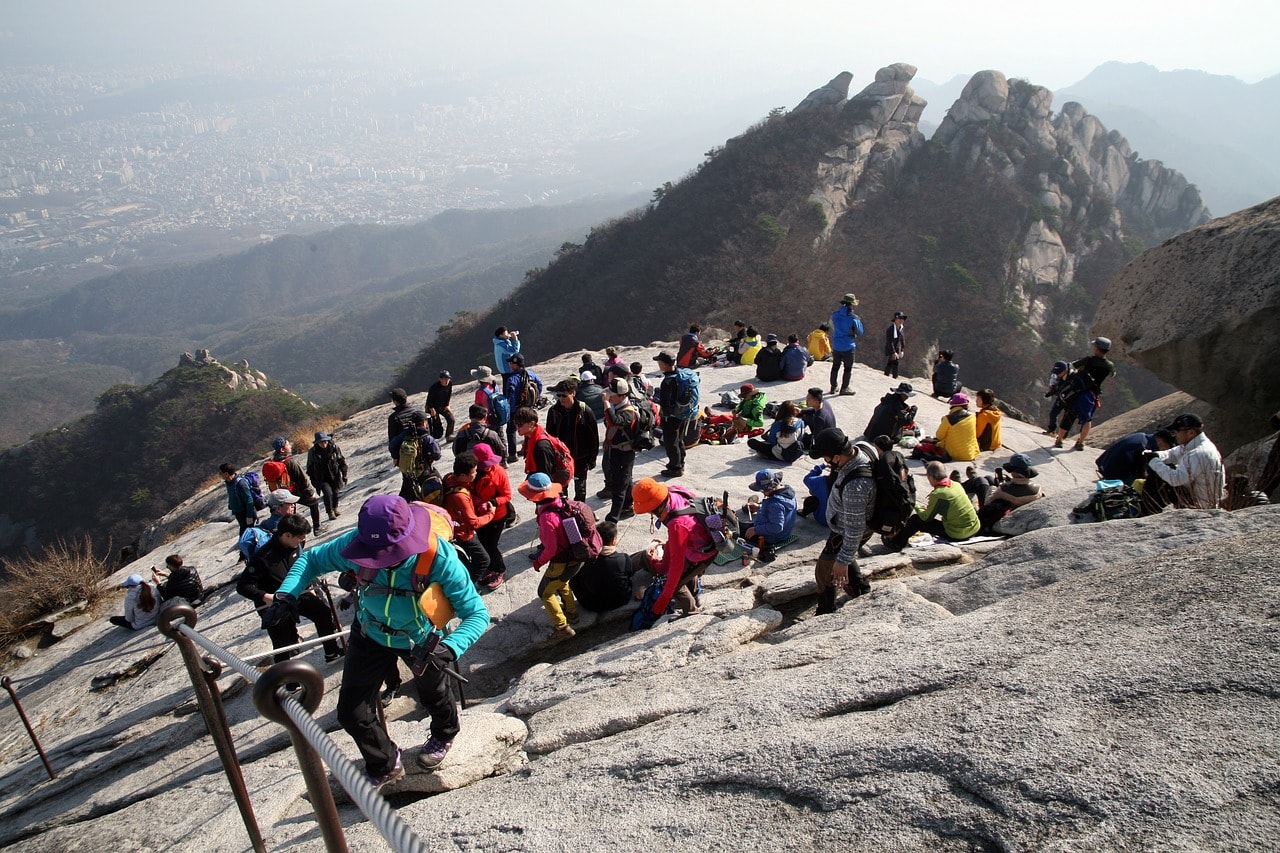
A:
287,693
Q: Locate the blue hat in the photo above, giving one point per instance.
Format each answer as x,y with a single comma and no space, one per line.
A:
766,481
132,581
279,443
323,436
1021,464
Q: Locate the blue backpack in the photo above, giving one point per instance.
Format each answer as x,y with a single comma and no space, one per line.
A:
644,618
499,408
255,489
686,402
251,540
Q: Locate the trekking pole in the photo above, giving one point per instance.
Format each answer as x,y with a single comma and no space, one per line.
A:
342,641
7,683
209,700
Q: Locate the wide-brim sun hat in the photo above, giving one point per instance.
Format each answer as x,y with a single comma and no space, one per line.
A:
1020,464
388,532
483,374
648,494
767,480
539,487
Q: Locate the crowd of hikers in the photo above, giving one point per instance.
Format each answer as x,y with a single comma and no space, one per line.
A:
421,560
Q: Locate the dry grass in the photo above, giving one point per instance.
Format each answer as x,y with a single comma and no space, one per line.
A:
304,435
65,572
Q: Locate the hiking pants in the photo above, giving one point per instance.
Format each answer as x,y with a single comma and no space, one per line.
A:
366,666
329,494
245,522
621,463
477,556
285,632
686,597
580,469
488,537
557,597
673,442
838,359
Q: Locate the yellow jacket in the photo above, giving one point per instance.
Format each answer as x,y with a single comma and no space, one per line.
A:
989,418
750,346
819,345
958,435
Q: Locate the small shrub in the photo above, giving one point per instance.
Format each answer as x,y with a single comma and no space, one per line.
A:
63,573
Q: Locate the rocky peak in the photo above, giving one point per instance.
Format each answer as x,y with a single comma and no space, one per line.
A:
878,135
237,377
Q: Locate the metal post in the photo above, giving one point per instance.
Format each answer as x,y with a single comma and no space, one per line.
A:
305,684
208,699
8,685
342,641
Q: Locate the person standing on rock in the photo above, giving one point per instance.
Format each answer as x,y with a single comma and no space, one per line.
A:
239,497
439,395
283,471
849,508
846,327
327,470
1190,476
477,432
397,551
678,400
620,421
573,422
399,420
506,343
492,488
1090,372
895,344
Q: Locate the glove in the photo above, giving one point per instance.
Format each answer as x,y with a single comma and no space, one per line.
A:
283,607
442,656
347,602
347,581
1148,455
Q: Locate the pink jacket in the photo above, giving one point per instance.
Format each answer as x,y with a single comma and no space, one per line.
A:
687,542
550,533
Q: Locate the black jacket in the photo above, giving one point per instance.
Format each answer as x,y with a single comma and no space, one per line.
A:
577,428
183,582
326,465
891,414
603,583
439,396
769,364
266,571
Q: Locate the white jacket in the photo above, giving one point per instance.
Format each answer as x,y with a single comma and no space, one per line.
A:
1198,469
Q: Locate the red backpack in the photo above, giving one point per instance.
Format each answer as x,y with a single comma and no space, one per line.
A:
563,471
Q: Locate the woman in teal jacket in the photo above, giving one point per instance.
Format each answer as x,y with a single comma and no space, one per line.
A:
383,552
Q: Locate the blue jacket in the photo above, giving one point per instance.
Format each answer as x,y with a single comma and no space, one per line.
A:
503,349
777,515
1123,459
819,486
395,607
240,498
845,326
795,359
513,384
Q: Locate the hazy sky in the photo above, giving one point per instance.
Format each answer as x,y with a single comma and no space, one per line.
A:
729,43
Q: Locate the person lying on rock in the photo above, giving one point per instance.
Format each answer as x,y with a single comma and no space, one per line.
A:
949,512
398,551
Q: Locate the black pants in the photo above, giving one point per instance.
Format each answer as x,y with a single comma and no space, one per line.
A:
488,537
477,556
448,422
285,633
673,442
314,506
891,367
580,469
618,479
362,676
245,522
837,360
329,494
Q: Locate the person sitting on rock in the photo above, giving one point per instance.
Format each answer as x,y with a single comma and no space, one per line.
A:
1012,493
769,361
784,442
691,352
141,604
1190,476
774,517
747,416
1126,458
958,431
750,347
604,582
817,415
733,348
949,512
689,549
892,413
178,580
946,375
987,420
819,342
795,360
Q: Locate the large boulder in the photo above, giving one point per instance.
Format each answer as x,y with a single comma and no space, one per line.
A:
1202,311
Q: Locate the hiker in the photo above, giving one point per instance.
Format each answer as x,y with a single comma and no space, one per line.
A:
946,375
613,360
239,497
469,515
589,371
419,452
399,420
817,415
733,352
506,343
542,452
774,517
795,360
492,490
477,432
849,508
1012,493
987,421
391,538
280,503
819,342
1126,458
895,344
439,395
895,496
590,393
846,328
1057,390
643,388
178,580
141,604
262,579
750,347
977,486
958,431
678,401
691,349
554,590
621,420
769,361
327,470
785,440
1089,374
1188,476
283,471
746,418
571,421
892,414
949,512
604,582
522,388
689,549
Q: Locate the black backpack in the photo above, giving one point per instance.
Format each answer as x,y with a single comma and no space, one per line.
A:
643,438
1115,502
894,501
720,522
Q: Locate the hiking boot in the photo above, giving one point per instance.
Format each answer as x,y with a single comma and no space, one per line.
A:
826,602
858,585
1079,445
330,514
433,752
387,696
605,494
846,392
561,634
493,580
572,617
1058,443
330,657
337,513
627,513
396,771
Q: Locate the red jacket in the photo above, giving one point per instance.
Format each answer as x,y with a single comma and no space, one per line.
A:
462,509
493,485
687,542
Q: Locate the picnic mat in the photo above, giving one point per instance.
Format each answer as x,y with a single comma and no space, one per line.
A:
724,558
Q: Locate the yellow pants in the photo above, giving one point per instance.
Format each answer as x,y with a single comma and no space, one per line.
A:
557,597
